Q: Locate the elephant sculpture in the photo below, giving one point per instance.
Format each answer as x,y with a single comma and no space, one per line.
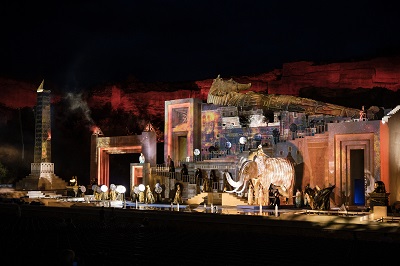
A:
262,171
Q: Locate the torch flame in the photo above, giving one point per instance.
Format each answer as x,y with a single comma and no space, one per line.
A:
97,131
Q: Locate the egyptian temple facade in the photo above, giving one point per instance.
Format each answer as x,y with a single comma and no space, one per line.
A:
350,153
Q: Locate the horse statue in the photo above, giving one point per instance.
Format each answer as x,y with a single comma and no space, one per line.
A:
319,199
229,93
262,171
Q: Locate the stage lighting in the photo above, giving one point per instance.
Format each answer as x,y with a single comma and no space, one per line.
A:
103,188
142,188
121,189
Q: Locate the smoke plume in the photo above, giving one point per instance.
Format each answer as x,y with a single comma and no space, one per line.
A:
76,103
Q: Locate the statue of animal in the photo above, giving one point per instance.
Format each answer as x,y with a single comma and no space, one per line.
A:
229,93
263,171
319,199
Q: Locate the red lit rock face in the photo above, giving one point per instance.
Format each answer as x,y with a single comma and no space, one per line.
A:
137,102
16,94
291,79
380,72
19,94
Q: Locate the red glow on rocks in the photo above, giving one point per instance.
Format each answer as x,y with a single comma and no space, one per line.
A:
150,99
16,94
115,97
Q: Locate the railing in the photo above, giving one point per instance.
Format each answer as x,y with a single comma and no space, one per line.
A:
191,178
216,166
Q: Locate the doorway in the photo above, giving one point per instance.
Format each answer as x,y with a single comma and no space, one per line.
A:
119,169
182,148
354,157
357,176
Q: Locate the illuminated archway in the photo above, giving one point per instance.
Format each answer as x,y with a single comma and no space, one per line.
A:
102,147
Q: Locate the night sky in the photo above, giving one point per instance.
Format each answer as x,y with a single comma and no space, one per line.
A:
76,44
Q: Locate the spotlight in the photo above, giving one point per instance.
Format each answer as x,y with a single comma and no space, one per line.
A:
142,188
120,189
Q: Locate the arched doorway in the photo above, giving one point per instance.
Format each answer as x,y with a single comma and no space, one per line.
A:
103,147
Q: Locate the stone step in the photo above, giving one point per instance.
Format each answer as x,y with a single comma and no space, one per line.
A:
35,194
227,199
32,182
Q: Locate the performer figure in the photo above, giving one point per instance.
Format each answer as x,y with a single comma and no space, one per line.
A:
178,195
149,195
298,198
142,158
172,168
141,196
277,201
158,190
362,113
113,193
184,171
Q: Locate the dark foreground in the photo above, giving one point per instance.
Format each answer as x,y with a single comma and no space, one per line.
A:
38,235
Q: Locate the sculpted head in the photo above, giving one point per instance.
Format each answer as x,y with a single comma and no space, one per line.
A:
221,87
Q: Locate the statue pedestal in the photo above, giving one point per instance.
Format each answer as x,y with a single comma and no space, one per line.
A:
380,212
72,191
378,199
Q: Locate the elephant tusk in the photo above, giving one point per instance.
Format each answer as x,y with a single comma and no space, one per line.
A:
233,183
243,187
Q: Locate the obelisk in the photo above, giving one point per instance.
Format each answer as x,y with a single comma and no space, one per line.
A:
42,151
42,175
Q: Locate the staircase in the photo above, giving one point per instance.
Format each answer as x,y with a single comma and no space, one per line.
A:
228,199
198,199
231,199
33,194
50,182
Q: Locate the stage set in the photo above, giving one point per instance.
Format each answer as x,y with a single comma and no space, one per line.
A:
240,146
